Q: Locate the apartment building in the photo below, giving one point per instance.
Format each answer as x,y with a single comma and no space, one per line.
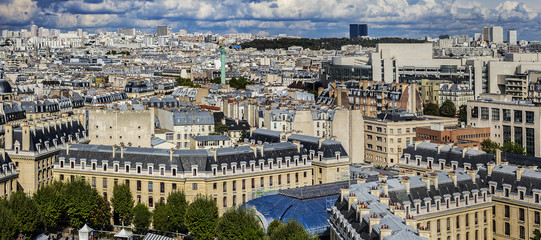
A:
388,134
459,94
231,175
516,121
8,175
185,123
34,147
129,125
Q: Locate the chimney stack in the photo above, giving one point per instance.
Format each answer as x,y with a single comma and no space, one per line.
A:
171,154
406,182
498,157
114,150
490,167
519,172
453,176
352,199
473,175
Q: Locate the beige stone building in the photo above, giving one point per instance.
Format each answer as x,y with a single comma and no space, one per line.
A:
114,126
34,147
231,175
386,136
8,175
185,123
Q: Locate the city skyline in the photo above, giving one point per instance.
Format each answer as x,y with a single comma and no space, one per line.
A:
417,18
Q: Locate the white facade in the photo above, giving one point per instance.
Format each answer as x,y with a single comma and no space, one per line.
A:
496,34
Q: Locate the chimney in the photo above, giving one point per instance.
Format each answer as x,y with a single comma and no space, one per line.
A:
384,231
473,175
382,177
374,191
464,151
320,141
298,144
352,199
416,144
498,156
519,172
361,180
362,210
171,154
68,148
406,182
374,220
8,136
452,175
434,179
426,180
343,193
533,167
490,167
385,187
122,151
410,221
440,146
114,150
26,138
214,154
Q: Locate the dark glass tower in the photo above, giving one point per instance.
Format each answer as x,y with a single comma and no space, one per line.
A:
358,30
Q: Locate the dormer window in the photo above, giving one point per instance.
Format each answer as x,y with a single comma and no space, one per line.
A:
214,171
138,169
127,168
224,171
61,163
72,164
93,166
105,167
261,166
252,166
150,170
194,172
162,171
116,167
234,169
243,168
174,172
270,165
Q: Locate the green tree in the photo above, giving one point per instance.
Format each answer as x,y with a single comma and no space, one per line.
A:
101,213
238,223
51,203
81,200
273,226
201,217
448,109
160,217
463,114
536,235
176,204
489,146
123,202
220,129
216,80
186,82
26,214
290,230
431,109
243,135
8,229
239,83
142,217
513,147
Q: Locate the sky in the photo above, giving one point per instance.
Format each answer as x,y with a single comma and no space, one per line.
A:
306,18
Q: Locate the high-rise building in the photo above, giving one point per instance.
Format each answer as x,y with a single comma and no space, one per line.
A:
496,34
127,31
162,31
33,30
358,30
511,37
485,35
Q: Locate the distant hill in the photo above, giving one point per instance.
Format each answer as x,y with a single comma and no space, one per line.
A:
322,43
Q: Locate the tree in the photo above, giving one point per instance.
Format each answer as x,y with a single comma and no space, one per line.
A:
176,204
513,147
463,114
489,146
220,129
142,217
8,230
536,235
243,135
161,217
51,203
101,214
238,223
290,230
201,217
26,214
216,80
123,202
273,226
239,83
431,109
448,109
81,201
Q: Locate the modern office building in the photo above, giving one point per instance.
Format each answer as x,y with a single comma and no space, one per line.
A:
516,121
457,136
512,37
485,34
127,31
496,34
358,30
163,30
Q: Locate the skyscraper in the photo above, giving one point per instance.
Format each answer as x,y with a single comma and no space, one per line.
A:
162,31
485,35
358,30
511,37
496,34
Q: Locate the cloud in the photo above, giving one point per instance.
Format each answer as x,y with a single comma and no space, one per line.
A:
312,18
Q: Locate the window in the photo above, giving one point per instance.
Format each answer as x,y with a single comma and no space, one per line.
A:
174,172
194,186
93,181
529,117
522,232
530,141
506,211
225,202
474,112
507,229
506,115
105,183
127,169
138,185
457,222
467,218
253,183
150,202
262,181
162,187
150,170
518,135
537,218
448,224
150,187
174,186
438,226
518,116
496,114
484,113
296,177
521,214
